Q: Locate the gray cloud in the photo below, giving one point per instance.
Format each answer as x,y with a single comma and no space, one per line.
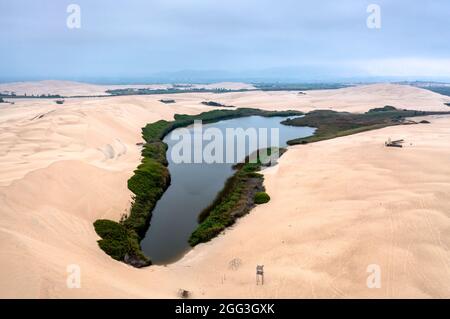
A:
139,38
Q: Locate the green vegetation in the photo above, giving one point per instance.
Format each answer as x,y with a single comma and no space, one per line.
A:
298,86
441,89
174,90
119,242
261,198
235,200
155,131
155,150
212,103
331,124
167,101
151,178
259,86
37,96
220,115
114,238
215,104
386,108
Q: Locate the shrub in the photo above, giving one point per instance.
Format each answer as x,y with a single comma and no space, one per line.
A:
114,238
118,241
155,131
386,108
261,198
156,151
149,179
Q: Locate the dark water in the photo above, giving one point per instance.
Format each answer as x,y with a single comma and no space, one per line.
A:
194,186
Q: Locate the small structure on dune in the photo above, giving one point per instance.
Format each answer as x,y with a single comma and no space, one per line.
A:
59,101
167,101
396,143
182,293
259,274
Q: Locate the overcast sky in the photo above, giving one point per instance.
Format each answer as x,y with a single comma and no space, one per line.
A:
140,38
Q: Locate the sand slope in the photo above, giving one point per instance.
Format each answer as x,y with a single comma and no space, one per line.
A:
337,206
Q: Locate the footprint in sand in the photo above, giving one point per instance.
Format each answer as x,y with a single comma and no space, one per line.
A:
113,151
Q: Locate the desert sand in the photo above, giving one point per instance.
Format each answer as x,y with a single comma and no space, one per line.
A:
337,206
72,89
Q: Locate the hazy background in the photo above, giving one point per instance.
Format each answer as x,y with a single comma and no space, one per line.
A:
200,40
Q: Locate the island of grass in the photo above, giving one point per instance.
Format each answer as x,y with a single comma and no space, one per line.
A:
167,101
121,240
241,192
331,124
215,104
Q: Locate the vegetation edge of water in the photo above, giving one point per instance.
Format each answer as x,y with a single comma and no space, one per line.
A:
242,191
121,240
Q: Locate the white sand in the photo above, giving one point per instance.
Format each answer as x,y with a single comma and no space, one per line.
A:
337,206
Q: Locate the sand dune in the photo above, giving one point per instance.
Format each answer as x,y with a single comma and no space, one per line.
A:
337,206
70,88
35,133
352,99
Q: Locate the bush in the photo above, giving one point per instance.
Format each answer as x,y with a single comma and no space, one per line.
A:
118,241
261,198
155,131
114,238
156,151
149,179
387,108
